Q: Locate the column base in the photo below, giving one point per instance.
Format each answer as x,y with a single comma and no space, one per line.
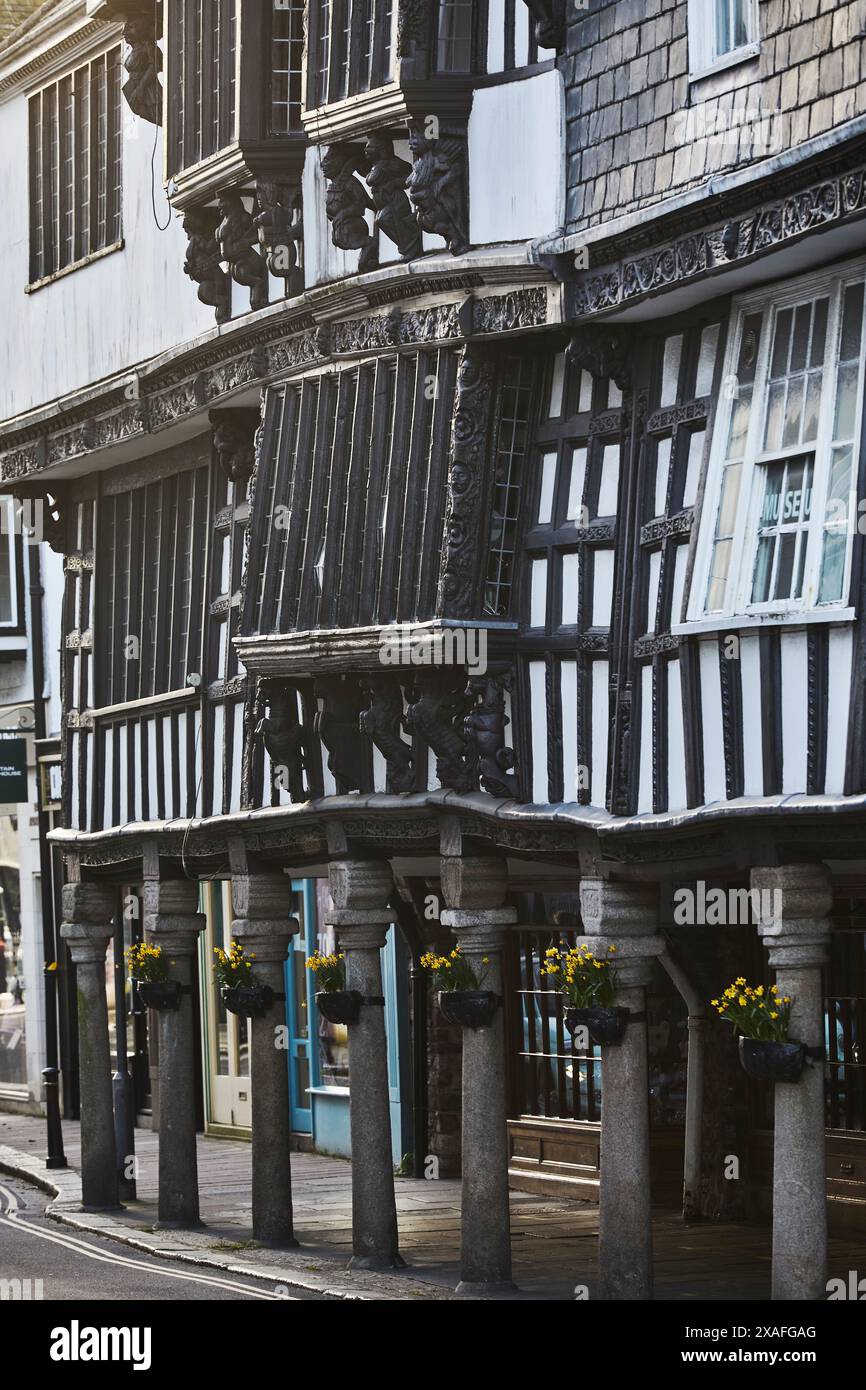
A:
190,1223
56,1163
103,1207
377,1262
277,1243
472,1288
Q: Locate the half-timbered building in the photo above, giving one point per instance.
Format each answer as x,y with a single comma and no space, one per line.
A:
452,414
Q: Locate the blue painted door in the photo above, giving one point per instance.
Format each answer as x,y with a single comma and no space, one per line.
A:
302,1058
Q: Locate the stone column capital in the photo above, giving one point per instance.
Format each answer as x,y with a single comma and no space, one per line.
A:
479,930
266,939
261,921
359,935
87,927
794,901
618,910
361,884
476,882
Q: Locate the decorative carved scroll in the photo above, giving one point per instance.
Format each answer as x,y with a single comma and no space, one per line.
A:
603,352
346,202
237,237
338,726
438,186
44,515
549,16
202,262
281,231
467,491
484,726
387,183
381,722
234,441
284,737
437,707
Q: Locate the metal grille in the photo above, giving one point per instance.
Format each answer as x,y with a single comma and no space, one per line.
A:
551,1081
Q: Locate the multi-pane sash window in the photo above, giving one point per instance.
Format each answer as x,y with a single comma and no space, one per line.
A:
287,56
454,36
350,48
150,580
719,29
75,153
202,42
785,449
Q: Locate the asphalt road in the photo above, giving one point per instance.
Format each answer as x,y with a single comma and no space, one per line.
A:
74,1265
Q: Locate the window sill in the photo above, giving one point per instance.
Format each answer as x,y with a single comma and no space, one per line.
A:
728,60
75,265
739,622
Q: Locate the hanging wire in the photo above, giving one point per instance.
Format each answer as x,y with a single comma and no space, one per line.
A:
159,225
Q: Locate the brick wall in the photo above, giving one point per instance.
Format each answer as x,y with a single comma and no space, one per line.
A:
638,130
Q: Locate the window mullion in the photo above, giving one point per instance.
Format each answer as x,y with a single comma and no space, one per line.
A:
823,451
738,591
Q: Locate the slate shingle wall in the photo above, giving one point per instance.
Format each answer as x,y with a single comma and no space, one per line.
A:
638,131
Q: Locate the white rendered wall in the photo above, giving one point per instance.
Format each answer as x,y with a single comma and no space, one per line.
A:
517,160
110,315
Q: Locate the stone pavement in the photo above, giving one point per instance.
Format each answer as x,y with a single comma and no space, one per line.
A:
554,1241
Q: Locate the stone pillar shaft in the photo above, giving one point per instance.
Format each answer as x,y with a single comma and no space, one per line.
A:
474,890
171,921
625,916
360,912
264,929
796,932
87,929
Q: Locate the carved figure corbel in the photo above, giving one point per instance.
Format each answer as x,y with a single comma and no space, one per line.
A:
234,439
337,724
387,183
603,352
237,237
142,89
437,707
283,735
484,727
381,722
281,231
202,262
346,202
437,185
550,27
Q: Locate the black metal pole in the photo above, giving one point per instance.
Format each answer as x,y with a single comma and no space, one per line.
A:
124,1116
51,1074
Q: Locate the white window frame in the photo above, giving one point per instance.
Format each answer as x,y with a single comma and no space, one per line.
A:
7,540
738,603
703,55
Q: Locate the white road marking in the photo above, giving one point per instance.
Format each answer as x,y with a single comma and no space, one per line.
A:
12,1218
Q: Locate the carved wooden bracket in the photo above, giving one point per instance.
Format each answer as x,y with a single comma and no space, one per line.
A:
338,726
281,230
386,176
203,262
603,352
234,432
438,186
467,500
550,22
437,708
382,722
284,737
238,237
142,89
46,521
485,726
346,202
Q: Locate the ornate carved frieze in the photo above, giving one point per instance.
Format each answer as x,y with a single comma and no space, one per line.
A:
438,185
347,201
670,416
338,726
284,737
234,434
466,498
386,179
484,727
502,313
238,237
603,352
382,722
829,201
281,231
549,16
203,261
657,644
437,708
678,525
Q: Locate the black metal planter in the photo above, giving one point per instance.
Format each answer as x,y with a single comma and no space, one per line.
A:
605,1026
340,1005
248,1001
160,994
772,1061
468,1008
